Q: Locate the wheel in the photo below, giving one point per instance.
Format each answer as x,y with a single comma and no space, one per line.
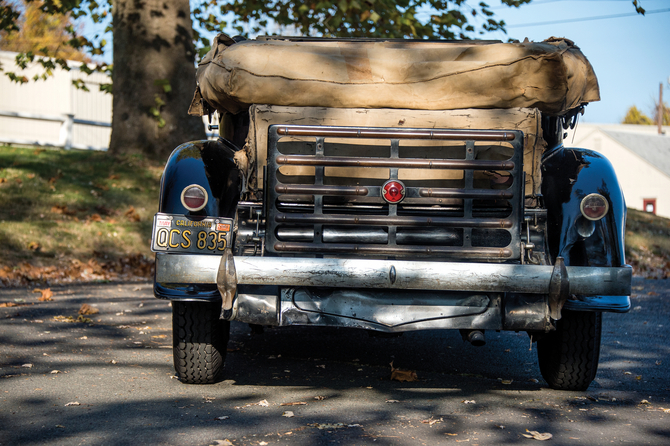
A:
569,356
199,340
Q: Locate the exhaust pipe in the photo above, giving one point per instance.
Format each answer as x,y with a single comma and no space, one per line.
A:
474,337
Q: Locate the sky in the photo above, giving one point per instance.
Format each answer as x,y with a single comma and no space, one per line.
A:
630,55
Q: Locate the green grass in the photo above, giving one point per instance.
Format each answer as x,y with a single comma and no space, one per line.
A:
648,244
57,206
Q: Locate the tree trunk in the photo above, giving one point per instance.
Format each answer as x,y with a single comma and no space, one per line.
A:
153,77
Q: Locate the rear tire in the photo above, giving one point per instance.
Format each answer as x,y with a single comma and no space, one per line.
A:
199,341
568,357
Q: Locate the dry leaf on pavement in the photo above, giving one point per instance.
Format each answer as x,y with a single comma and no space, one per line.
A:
87,309
402,375
46,296
535,435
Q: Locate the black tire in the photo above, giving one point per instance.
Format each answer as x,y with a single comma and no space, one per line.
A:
569,356
199,341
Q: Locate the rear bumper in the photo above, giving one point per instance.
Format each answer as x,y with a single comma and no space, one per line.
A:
393,274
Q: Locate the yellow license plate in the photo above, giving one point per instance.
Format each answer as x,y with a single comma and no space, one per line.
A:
202,235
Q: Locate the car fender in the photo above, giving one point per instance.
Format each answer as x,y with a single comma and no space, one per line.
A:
569,175
210,164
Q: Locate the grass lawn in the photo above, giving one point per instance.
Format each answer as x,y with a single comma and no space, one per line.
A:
60,209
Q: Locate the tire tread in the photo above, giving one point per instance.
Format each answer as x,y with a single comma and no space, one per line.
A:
199,340
568,357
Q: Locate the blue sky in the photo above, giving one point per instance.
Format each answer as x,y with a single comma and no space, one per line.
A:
630,55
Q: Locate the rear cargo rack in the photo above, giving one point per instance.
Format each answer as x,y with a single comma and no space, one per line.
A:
463,192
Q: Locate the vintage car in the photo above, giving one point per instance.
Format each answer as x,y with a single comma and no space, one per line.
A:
392,185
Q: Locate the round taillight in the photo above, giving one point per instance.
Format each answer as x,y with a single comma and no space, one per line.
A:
393,191
194,197
594,206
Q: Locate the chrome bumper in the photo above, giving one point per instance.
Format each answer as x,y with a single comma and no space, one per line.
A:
391,274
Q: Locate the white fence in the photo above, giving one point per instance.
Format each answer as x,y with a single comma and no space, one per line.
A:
54,112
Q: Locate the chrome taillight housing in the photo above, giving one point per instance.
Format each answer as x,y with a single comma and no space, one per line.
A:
194,197
594,207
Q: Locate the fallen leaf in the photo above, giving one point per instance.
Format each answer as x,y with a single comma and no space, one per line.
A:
221,443
74,403
95,217
627,373
319,398
506,381
87,309
288,414
31,176
27,366
34,246
644,402
60,426
535,435
533,380
54,372
299,403
431,421
468,401
263,403
392,401
46,296
402,375
262,443
225,417
132,215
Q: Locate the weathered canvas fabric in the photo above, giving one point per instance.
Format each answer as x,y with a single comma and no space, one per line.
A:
552,76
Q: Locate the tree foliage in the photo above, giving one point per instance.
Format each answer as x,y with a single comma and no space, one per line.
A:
40,33
635,116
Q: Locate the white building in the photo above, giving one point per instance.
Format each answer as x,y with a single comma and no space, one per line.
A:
52,112
641,158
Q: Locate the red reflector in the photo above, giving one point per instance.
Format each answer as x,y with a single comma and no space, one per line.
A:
594,206
194,197
393,191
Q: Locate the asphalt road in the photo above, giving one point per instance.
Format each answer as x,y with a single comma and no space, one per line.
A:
110,381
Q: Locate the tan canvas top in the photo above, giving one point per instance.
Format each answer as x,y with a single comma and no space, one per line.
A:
552,76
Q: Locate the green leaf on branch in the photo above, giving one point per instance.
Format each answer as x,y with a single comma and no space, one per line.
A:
165,84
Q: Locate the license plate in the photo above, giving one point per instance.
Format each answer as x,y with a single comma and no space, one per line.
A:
202,235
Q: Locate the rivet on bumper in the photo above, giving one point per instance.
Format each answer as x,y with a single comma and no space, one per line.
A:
226,279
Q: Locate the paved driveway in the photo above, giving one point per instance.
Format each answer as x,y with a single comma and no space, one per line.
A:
110,381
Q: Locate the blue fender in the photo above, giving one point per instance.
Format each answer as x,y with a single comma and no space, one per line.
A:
211,165
569,175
